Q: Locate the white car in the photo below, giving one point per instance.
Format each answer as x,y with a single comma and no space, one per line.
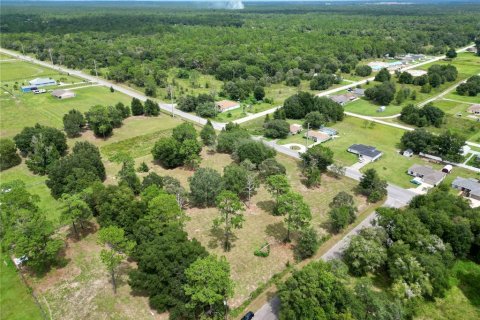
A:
38,91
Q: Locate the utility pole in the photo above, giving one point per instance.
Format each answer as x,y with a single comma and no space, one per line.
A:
95,64
172,90
23,50
50,52
308,129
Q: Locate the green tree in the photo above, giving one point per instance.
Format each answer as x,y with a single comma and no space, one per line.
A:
342,199
137,107
314,120
341,217
255,151
318,156
451,53
116,248
75,211
364,255
127,176
296,211
259,93
270,167
277,129
383,75
372,186
8,154
73,123
205,185
277,185
230,208
167,152
208,135
307,245
208,285
43,155
235,179
123,110
363,70
151,108
184,131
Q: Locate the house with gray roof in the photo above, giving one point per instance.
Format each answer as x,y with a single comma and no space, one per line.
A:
470,187
427,174
366,152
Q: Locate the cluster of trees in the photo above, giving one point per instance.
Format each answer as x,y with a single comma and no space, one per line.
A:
470,88
241,89
42,146
323,81
446,145
326,293
363,70
343,211
203,105
26,233
182,148
8,154
428,115
417,246
316,160
383,93
302,103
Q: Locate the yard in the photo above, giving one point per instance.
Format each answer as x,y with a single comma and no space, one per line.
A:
26,109
15,298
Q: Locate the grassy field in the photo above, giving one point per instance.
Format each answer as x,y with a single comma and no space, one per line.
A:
16,301
466,63
467,99
26,109
462,301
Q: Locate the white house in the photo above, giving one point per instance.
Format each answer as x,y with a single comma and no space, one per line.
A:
41,82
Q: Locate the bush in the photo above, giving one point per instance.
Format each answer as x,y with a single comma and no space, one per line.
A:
255,151
363,71
263,250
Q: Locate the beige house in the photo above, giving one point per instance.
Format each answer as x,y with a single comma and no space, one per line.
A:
295,128
227,105
427,174
63,94
317,136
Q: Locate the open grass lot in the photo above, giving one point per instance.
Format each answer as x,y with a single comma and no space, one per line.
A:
15,300
26,109
467,99
453,107
466,62
260,225
462,301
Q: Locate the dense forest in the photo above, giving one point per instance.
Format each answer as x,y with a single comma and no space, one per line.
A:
264,43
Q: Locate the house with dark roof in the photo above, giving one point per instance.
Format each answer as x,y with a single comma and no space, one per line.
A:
427,174
366,152
342,99
470,187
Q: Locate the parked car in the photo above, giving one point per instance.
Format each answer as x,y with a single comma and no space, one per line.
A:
38,91
248,316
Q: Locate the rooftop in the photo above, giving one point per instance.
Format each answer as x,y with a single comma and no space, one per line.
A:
469,184
364,150
428,174
226,104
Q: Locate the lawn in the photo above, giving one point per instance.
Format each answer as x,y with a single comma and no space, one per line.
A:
466,63
453,107
462,301
36,185
15,299
22,71
26,109
467,99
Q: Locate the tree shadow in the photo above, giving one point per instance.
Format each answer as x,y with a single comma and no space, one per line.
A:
121,274
218,238
277,230
470,285
82,231
267,206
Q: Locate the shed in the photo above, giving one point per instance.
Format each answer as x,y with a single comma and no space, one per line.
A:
447,169
63,94
408,153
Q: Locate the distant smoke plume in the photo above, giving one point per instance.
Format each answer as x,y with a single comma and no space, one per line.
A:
229,5
235,5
